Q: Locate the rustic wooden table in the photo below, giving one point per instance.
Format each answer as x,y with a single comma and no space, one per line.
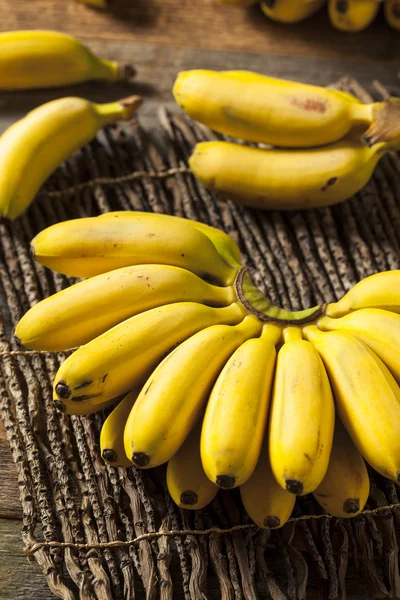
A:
163,37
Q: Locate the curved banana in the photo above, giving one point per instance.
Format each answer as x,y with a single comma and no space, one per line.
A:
392,13
40,59
377,329
266,503
290,11
124,356
87,309
344,490
302,416
32,148
175,393
87,247
187,483
367,397
284,179
237,410
381,290
352,15
112,433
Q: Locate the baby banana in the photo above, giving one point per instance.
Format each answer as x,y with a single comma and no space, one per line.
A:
290,11
302,416
87,247
40,59
87,309
381,290
392,13
32,148
352,15
257,108
187,483
176,392
237,411
344,490
285,179
124,356
266,503
367,397
112,433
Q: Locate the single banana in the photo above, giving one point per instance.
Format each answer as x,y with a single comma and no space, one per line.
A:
381,290
32,148
344,491
290,11
112,433
285,179
302,416
123,357
176,392
266,503
87,309
367,397
87,247
187,483
352,15
378,329
273,111
40,59
392,13
237,411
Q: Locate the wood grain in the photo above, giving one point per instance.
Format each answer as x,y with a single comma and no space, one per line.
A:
9,495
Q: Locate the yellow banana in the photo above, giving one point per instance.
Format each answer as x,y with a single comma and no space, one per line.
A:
302,416
367,397
290,11
83,311
378,329
392,13
124,356
175,393
237,411
112,433
32,148
344,491
285,179
266,503
40,59
381,290
187,483
352,15
87,247
257,108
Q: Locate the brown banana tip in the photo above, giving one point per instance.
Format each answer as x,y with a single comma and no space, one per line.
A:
351,506
17,341
294,486
63,390
386,124
60,405
225,481
140,459
126,71
109,455
130,104
189,498
272,522
32,252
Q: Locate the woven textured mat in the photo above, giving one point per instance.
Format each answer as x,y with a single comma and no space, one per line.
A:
74,505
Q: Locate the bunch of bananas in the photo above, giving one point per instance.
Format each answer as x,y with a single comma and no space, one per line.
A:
345,15
328,141
228,389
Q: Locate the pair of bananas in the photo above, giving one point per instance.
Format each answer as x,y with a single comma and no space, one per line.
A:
345,15
215,380
32,148
327,143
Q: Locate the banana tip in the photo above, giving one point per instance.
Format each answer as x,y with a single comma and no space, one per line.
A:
272,522
351,506
126,71
109,455
226,482
140,459
294,486
130,105
189,498
60,406
63,390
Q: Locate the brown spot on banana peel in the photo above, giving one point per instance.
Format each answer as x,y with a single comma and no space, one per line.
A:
84,397
272,522
84,383
342,6
385,126
310,104
329,183
351,506
189,498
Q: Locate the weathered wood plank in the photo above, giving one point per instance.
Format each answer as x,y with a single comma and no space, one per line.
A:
10,506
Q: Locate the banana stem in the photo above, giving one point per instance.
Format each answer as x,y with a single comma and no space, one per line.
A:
121,110
292,334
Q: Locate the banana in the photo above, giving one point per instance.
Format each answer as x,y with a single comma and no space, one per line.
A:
87,309
266,503
175,393
290,11
237,410
285,179
302,416
377,329
112,433
124,356
273,111
87,247
392,13
352,15
40,59
381,290
187,483
367,397
344,491
32,148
